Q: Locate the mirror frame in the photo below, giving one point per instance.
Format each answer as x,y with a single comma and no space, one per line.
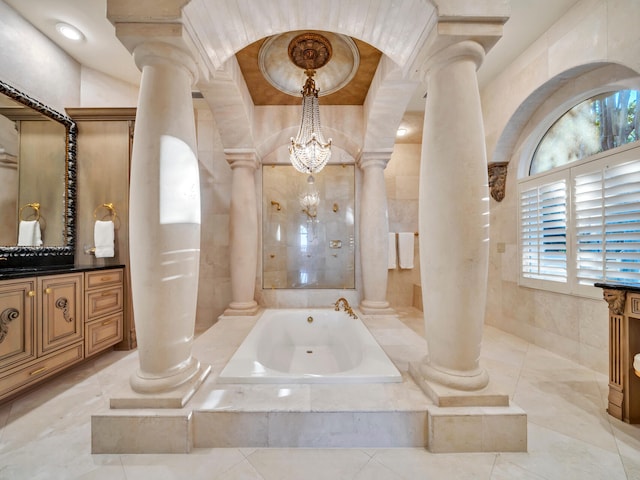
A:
48,255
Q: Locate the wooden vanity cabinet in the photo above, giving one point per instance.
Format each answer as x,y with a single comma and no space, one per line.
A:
104,304
17,339
60,307
624,344
50,322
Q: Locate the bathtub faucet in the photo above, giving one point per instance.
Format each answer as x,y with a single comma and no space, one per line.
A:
346,306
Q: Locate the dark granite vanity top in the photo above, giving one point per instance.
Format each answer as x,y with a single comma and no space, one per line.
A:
23,272
619,286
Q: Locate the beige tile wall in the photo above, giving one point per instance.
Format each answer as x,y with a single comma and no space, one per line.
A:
589,48
402,181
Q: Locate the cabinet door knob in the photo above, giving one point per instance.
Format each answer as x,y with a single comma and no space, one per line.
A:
31,293
47,291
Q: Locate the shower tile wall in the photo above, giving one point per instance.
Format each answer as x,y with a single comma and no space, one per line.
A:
302,251
402,180
214,288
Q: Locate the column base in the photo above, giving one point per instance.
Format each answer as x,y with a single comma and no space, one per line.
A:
166,392
438,383
470,420
371,307
242,309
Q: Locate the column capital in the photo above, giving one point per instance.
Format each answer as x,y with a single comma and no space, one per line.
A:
242,158
161,53
374,158
140,10
145,21
458,23
464,50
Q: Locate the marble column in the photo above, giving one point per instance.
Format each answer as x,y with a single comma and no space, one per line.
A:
374,233
454,219
243,232
165,222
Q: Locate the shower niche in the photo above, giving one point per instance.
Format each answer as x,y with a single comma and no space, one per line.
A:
308,231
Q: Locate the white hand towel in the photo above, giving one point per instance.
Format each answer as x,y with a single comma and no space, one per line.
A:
393,251
103,237
405,249
29,234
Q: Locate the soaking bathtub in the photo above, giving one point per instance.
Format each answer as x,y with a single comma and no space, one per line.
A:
309,346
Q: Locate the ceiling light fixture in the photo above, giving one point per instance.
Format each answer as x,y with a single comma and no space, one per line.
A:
69,31
401,132
309,152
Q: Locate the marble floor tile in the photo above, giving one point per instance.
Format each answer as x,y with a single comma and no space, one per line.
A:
242,471
555,456
418,464
628,442
200,464
374,470
308,464
570,434
571,408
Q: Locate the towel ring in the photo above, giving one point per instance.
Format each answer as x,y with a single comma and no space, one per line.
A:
36,210
109,207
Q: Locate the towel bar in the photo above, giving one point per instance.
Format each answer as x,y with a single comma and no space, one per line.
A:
109,206
36,209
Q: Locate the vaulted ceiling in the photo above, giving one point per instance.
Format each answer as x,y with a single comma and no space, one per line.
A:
102,51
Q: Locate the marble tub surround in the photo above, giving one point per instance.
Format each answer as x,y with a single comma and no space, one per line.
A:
309,415
274,415
570,434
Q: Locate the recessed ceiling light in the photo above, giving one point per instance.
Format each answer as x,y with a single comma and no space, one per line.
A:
69,31
401,132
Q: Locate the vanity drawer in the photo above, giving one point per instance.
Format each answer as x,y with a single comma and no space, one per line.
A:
36,371
101,302
103,333
103,278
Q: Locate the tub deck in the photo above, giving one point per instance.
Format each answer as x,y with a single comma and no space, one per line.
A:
304,415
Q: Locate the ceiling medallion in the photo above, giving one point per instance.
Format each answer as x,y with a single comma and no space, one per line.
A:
310,51
287,76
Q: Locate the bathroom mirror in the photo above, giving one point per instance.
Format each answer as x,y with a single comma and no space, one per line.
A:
37,180
308,233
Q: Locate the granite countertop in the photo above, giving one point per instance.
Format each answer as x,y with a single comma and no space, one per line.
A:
33,271
619,286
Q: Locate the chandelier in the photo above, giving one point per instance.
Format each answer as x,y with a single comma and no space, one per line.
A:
309,152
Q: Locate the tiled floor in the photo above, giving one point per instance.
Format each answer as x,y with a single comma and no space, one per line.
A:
46,433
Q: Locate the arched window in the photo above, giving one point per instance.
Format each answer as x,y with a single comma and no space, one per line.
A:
596,125
580,206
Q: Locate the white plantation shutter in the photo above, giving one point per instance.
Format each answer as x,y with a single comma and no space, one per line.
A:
589,216
581,225
607,212
543,230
